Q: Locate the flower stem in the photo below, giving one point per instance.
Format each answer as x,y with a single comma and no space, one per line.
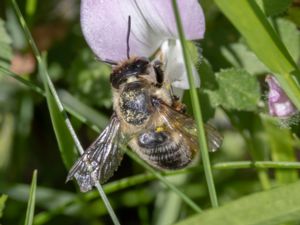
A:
257,164
196,111
159,176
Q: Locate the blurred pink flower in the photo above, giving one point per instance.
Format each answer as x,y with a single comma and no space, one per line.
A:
153,27
279,103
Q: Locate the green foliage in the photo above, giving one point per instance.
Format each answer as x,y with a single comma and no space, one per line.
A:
282,149
64,139
294,14
258,154
290,36
264,42
237,90
5,46
240,56
3,199
31,201
275,7
90,83
266,208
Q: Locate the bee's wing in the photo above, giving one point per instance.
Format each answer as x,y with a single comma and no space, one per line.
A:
214,138
187,127
100,160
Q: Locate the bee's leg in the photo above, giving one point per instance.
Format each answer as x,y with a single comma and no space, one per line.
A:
176,103
158,72
178,106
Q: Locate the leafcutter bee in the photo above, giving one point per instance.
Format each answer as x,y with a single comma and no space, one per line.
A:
149,119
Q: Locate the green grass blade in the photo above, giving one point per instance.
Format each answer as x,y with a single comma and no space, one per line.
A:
248,18
31,201
184,197
54,103
19,78
282,149
3,199
256,164
275,206
75,106
6,52
142,178
197,111
64,139
72,105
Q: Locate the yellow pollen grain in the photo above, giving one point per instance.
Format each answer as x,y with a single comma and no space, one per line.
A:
159,129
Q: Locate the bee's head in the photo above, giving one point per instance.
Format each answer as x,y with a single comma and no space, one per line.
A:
130,68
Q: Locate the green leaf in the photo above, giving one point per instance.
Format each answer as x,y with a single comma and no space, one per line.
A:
5,46
271,207
238,90
31,201
3,199
248,18
275,7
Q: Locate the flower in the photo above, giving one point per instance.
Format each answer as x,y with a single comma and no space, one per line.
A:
279,103
153,27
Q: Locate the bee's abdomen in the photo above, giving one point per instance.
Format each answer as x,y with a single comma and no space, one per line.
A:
164,151
134,104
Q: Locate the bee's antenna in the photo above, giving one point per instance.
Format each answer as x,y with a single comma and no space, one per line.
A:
128,35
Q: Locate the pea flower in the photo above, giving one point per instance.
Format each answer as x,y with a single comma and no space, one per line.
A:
153,29
279,103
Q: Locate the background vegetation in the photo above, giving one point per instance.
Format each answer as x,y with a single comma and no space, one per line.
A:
255,173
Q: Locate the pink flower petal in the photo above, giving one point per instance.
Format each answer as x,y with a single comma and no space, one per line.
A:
279,103
104,25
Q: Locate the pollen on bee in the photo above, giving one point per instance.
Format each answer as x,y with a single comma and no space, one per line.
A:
159,129
168,86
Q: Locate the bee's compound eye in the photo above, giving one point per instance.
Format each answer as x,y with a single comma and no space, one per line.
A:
152,139
141,62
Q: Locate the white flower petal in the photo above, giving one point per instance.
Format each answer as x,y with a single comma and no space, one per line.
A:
175,72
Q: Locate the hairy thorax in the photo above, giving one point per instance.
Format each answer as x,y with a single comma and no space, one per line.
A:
134,105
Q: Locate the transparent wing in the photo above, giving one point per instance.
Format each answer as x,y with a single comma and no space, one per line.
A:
100,160
214,138
187,127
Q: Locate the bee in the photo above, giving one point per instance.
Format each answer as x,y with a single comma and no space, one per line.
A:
149,119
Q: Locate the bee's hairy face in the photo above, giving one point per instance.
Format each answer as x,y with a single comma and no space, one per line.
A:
130,68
